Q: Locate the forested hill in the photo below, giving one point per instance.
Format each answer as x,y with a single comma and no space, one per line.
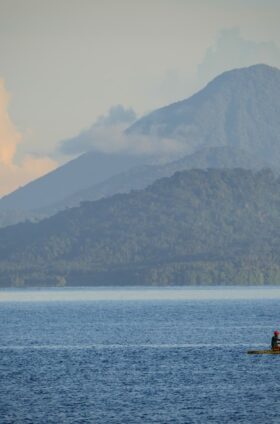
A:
142,176
197,227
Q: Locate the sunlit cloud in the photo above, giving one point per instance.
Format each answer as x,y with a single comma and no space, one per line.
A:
13,174
9,136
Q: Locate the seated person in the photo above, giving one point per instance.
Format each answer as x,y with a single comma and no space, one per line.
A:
275,341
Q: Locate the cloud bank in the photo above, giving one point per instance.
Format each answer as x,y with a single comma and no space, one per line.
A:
13,174
107,135
104,135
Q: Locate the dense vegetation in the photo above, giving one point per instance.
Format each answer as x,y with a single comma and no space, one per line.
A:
197,227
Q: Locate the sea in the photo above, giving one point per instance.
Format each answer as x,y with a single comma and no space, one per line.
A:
134,355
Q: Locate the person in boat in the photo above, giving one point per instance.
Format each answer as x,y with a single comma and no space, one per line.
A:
275,341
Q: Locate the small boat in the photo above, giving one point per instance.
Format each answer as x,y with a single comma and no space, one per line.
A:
267,351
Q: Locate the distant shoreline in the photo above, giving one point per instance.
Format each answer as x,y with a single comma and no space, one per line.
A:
178,293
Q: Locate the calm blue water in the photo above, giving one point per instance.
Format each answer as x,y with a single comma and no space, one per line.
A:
138,361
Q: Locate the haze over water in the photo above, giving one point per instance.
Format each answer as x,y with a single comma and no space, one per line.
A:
118,294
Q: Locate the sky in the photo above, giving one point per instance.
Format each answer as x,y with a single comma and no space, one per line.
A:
70,69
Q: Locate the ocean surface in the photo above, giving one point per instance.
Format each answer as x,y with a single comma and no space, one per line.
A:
138,356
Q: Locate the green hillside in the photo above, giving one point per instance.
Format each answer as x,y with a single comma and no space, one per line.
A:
197,227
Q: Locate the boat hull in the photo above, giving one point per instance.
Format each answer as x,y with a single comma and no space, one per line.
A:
267,352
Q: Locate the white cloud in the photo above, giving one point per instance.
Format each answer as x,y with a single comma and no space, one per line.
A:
104,135
114,140
107,135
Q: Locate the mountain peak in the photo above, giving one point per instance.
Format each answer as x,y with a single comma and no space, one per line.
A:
238,108
256,72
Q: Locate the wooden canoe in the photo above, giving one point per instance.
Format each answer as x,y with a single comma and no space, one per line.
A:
268,351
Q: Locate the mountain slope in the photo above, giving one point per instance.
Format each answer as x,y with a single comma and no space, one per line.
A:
197,227
67,179
140,177
238,110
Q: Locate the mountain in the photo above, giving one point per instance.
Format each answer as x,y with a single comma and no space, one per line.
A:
67,179
140,177
233,121
239,108
196,227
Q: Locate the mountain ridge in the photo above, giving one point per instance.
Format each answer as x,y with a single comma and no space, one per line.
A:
258,82
140,177
238,110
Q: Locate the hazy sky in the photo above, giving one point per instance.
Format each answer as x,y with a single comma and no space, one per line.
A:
66,62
